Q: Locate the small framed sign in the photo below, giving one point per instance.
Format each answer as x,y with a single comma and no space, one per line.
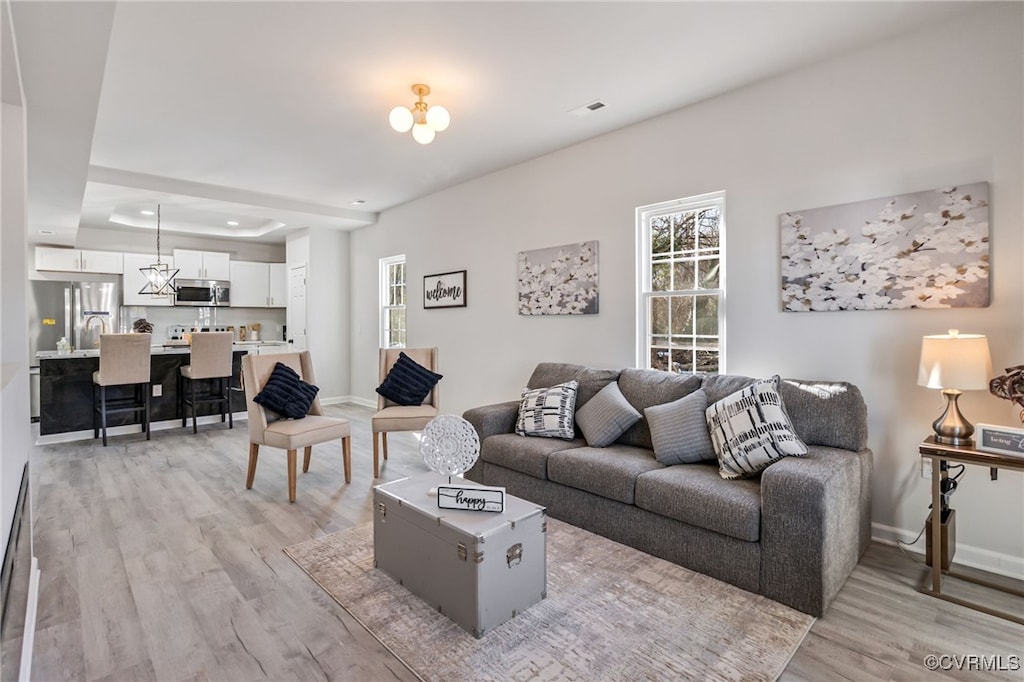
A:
446,290
473,498
1002,440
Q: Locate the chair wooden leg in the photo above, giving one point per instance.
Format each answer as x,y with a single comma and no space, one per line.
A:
384,439
346,457
305,458
254,451
103,413
291,475
376,457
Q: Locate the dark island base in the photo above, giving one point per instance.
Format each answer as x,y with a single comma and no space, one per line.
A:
66,392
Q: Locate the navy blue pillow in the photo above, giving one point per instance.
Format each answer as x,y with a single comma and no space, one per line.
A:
287,394
408,382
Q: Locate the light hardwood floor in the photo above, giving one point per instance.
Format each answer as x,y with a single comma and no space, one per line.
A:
158,564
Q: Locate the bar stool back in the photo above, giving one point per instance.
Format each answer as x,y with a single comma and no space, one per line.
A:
124,360
211,360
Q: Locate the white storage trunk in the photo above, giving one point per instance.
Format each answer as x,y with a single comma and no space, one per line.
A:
478,568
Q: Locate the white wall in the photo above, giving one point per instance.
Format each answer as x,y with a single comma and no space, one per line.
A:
133,241
936,107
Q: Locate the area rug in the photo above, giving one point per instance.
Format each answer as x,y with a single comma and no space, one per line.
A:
611,613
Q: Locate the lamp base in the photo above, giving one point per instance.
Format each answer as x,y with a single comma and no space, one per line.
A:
952,428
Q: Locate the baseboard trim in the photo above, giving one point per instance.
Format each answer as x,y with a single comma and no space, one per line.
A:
966,555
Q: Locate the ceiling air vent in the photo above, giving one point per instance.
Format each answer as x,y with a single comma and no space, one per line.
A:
587,109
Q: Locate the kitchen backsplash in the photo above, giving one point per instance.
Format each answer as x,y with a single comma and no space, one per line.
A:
166,320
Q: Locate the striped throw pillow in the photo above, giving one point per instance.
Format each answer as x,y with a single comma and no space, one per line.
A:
606,416
679,430
548,412
751,430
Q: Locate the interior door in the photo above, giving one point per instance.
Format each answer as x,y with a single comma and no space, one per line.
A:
296,314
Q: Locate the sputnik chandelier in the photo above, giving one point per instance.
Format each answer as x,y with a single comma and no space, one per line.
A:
425,121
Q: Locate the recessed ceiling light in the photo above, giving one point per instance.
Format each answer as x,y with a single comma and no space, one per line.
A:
359,202
45,231
233,223
148,212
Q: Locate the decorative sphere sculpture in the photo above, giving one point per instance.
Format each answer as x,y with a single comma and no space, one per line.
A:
450,445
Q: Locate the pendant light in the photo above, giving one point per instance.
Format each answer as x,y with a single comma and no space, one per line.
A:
425,121
159,276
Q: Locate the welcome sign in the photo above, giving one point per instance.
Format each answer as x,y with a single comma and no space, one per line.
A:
446,290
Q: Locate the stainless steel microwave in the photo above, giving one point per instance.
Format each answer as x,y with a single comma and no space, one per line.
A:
202,292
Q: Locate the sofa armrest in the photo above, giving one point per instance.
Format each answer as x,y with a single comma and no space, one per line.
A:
490,420
813,509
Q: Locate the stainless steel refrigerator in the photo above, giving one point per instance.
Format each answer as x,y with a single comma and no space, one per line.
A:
79,311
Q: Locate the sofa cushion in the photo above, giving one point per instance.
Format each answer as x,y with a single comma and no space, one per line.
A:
750,430
606,416
697,495
829,413
609,472
551,373
679,430
548,412
525,455
646,387
592,381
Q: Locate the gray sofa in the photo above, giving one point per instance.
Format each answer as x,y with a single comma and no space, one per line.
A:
793,534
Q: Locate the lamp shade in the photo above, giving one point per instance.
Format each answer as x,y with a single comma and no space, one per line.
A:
423,133
955,361
438,118
401,119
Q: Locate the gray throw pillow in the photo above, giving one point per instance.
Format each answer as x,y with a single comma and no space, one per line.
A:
679,430
751,430
606,416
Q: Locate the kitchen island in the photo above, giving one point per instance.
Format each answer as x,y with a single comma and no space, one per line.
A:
66,388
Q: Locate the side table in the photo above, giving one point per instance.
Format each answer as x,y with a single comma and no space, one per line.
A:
941,454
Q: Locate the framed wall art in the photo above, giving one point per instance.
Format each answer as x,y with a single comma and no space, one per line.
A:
558,280
921,250
446,290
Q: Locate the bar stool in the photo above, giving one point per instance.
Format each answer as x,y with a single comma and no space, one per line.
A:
124,361
211,359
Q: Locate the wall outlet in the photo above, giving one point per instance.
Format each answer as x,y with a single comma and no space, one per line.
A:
158,390
926,468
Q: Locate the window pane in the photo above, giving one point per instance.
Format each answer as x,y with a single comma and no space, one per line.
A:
683,275
707,273
661,277
659,315
661,237
708,228
707,315
659,358
682,360
682,315
707,361
683,232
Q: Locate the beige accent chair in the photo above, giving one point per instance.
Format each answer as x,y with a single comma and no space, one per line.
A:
289,434
393,417
124,361
210,360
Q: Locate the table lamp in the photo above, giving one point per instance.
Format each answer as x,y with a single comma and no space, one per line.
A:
955,363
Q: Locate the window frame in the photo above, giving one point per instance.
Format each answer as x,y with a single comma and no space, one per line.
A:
644,261
385,308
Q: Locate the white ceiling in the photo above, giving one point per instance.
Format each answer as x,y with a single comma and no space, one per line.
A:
274,114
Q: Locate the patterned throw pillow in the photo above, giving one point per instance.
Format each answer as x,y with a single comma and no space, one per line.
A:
286,394
751,430
606,416
408,382
548,412
679,430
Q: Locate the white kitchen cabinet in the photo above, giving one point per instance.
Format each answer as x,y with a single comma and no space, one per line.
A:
134,280
78,260
258,285
278,285
202,264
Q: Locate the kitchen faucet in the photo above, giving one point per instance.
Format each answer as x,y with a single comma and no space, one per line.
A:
103,327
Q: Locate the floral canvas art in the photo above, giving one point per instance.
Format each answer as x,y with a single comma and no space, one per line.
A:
559,280
921,250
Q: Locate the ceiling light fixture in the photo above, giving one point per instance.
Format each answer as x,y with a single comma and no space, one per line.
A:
159,275
233,223
147,212
424,120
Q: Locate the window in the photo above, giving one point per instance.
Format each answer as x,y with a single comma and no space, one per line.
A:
392,302
681,285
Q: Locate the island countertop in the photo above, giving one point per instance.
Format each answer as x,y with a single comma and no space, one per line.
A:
244,346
